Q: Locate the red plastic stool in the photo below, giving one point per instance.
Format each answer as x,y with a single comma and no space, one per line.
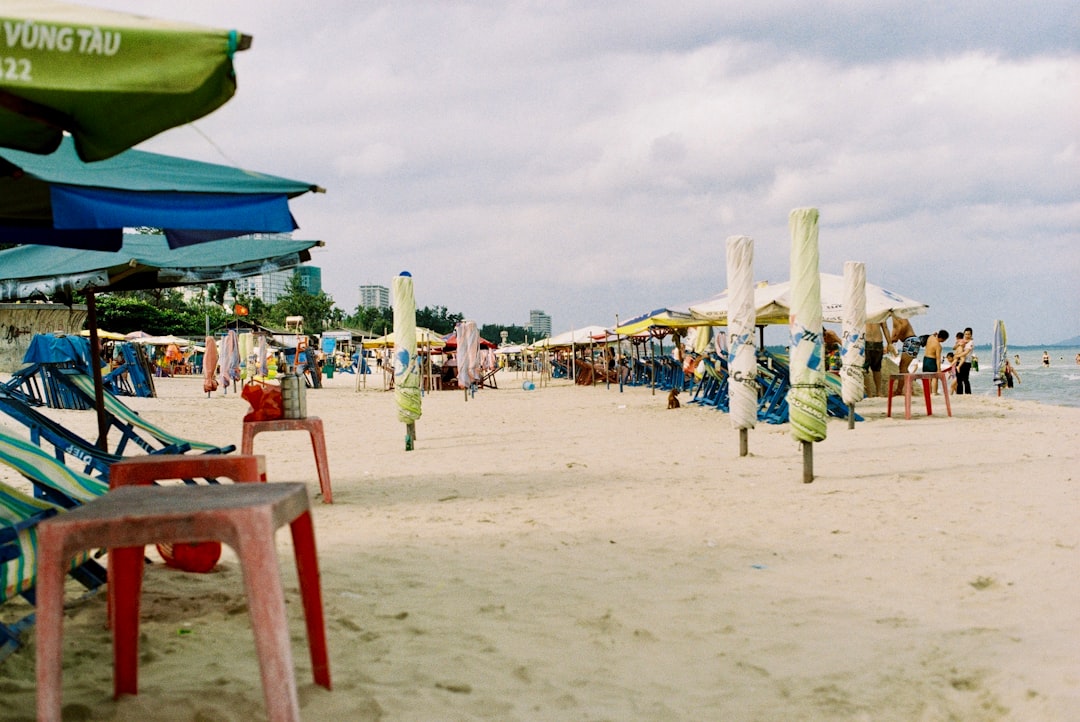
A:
244,516
144,470
314,426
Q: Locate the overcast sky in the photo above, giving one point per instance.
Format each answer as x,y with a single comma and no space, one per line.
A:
590,159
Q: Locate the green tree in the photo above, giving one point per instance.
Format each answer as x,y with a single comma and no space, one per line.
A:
315,308
437,319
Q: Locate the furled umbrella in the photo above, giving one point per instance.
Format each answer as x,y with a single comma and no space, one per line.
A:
806,398
110,79
468,356
230,360
742,358
406,366
853,350
998,352
210,362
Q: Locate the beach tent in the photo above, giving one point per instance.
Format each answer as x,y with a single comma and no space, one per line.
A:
110,79
773,303
660,318
424,337
450,340
575,337
60,200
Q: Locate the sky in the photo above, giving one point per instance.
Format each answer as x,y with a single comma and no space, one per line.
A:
590,159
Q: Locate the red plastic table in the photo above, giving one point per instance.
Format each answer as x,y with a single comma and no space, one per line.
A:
925,377
244,516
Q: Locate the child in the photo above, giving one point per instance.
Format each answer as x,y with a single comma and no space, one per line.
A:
949,367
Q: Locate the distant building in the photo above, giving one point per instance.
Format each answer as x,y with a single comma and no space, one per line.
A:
539,323
310,279
374,296
270,287
267,287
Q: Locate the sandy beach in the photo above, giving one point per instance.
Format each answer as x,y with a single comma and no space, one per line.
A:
579,553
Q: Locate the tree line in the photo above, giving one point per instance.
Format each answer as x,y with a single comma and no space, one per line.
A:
166,311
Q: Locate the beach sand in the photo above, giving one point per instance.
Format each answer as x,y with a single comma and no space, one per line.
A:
584,554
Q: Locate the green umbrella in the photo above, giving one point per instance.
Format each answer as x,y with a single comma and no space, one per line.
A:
109,79
806,398
406,369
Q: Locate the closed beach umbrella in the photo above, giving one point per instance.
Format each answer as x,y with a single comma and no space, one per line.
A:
406,368
230,359
853,352
210,365
998,352
468,354
110,79
742,355
806,399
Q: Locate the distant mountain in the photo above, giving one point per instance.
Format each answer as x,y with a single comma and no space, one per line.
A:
1074,341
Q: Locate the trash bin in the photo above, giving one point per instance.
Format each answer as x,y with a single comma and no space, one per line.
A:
328,370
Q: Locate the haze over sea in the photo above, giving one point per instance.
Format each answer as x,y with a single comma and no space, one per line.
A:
1058,383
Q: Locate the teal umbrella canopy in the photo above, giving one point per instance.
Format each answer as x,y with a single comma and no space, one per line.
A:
145,261
110,79
60,200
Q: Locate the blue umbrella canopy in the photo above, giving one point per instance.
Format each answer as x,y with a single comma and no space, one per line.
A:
59,200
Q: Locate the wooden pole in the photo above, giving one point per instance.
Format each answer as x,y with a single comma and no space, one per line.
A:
851,416
95,371
744,435
410,436
807,462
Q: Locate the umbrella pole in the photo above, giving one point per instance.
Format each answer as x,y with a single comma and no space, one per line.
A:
851,416
95,370
807,461
744,439
410,436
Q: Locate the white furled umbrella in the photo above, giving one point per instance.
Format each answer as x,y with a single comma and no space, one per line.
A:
406,367
742,355
806,399
853,351
468,356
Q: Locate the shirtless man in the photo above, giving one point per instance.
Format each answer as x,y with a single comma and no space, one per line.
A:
932,355
875,351
909,349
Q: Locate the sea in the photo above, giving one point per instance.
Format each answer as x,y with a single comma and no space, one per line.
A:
1057,384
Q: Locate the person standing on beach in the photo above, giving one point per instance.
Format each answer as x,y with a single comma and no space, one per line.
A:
963,360
932,356
875,351
909,349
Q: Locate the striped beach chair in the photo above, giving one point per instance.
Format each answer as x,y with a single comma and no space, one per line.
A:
19,516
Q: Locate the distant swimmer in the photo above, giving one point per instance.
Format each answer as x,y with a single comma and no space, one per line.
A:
1046,358
1078,359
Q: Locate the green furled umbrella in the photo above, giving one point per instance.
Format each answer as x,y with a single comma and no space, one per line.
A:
806,399
110,79
406,368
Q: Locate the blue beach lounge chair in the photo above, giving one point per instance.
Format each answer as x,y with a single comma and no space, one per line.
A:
133,427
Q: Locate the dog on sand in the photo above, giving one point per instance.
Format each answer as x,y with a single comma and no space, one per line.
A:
673,399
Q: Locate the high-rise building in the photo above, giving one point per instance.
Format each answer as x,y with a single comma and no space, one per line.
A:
539,323
374,296
267,287
310,279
